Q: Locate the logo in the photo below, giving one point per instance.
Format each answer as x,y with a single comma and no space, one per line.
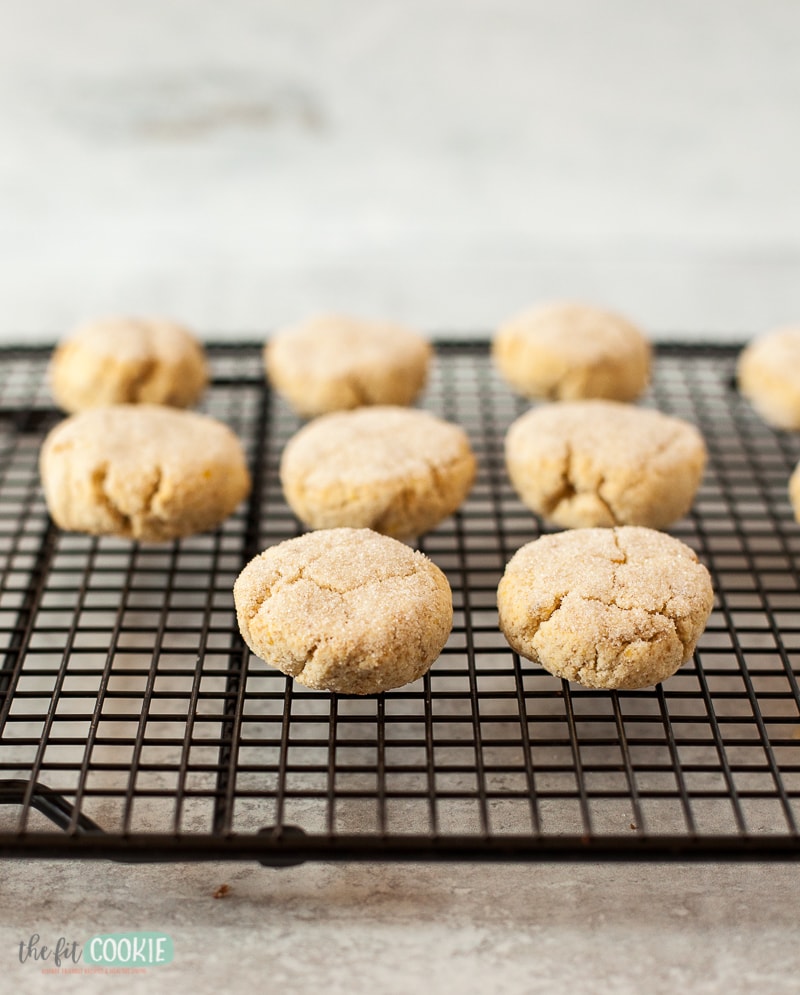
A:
129,950
63,951
106,953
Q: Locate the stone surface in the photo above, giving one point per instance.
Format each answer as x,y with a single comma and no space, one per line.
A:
347,929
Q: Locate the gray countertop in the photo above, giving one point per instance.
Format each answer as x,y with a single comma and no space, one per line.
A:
580,928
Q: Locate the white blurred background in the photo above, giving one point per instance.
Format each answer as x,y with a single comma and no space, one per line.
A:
240,164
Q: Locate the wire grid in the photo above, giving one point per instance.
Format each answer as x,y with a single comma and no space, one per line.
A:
135,719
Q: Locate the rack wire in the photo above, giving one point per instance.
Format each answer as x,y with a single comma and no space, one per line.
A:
136,725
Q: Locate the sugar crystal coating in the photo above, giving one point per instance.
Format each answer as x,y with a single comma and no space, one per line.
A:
613,608
142,471
396,470
345,610
335,362
128,361
566,351
592,463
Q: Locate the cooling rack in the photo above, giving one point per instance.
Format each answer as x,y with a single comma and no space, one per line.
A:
135,725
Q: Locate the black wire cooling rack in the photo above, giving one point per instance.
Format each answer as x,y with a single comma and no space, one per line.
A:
135,725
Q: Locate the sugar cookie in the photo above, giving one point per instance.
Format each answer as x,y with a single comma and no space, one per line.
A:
563,352
398,471
587,463
142,471
345,610
768,372
608,608
128,361
332,362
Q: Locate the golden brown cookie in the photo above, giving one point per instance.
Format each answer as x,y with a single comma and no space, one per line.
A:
398,471
345,610
794,492
769,377
128,361
332,363
142,471
588,463
564,352
608,608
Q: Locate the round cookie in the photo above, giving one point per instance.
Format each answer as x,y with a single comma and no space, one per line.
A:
345,610
128,361
591,463
609,608
332,363
142,471
768,372
564,352
398,471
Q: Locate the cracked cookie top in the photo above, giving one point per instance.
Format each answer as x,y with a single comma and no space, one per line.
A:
128,361
332,362
345,610
396,470
563,352
601,463
608,608
142,471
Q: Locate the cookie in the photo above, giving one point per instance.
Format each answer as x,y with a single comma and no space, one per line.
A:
794,492
564,352
128,361
768,373
332,363
345,610
142,471
398,471
590,463
609,608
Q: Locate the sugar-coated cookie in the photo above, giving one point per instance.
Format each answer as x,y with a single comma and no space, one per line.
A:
142,471
590,463
345,610
398,471
563,352
609,608
332,362
768,372
128,361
